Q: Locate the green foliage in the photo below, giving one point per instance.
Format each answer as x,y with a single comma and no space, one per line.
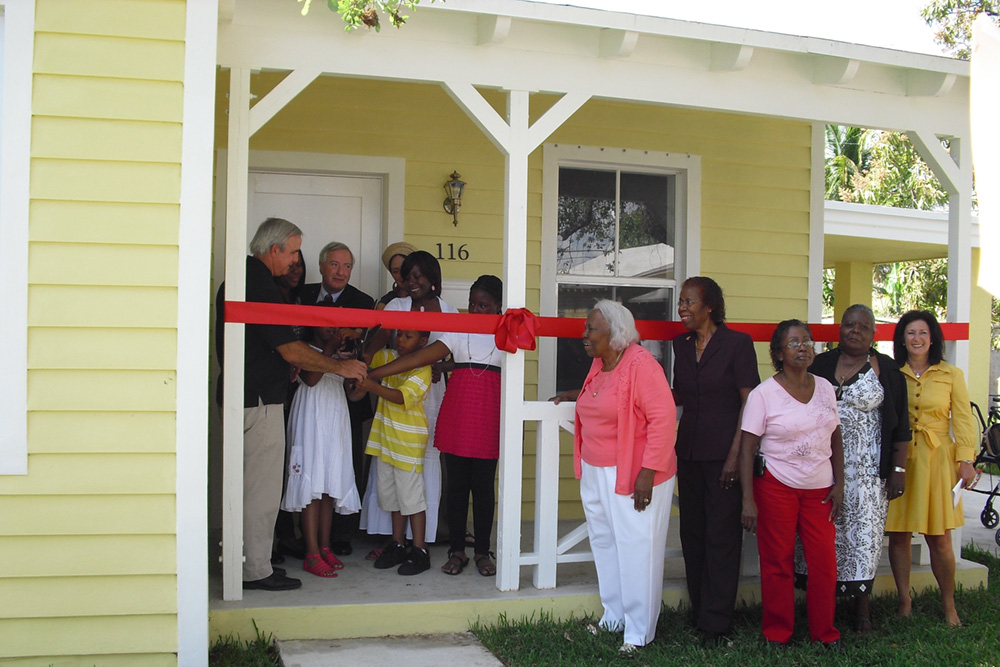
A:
230,651
904,286
890,173
848,152
357,13
952,22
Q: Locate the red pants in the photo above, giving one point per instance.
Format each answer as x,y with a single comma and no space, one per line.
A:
781,512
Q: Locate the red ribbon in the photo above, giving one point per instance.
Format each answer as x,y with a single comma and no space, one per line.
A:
515,330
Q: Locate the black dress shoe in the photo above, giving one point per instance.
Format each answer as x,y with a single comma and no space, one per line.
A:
341,548
275,582
278,570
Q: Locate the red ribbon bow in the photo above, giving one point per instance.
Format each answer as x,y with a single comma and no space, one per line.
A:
515,330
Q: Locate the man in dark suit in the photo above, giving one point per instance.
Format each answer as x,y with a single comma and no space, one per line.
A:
336,261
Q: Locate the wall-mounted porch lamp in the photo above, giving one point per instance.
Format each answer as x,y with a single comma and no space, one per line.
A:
453,202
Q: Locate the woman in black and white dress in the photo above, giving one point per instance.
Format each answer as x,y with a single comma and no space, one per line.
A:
871,402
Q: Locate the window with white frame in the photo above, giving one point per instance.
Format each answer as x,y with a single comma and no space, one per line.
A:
16,48
619,226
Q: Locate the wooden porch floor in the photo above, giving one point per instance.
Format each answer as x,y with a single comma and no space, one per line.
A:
365,602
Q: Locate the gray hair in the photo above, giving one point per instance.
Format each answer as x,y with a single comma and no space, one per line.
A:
861,307
330,247
272,232
621,323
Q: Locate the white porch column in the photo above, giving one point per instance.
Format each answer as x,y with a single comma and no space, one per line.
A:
516,140
512,383
232,414
954,169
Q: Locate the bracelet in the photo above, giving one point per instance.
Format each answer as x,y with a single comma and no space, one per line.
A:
898,469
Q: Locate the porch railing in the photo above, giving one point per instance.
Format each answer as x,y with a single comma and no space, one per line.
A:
548,548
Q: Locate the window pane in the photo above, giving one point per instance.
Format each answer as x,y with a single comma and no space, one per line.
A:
586,241
646,245
645,303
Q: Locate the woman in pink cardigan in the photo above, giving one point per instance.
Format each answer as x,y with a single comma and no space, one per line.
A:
623,453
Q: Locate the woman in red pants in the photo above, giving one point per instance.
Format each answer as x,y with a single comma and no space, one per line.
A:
796,487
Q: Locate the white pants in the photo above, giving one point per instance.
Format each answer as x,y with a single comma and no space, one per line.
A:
628,548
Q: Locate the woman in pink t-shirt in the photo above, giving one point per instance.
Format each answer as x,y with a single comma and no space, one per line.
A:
623,451
793,420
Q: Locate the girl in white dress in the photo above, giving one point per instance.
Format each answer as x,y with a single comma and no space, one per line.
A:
320,468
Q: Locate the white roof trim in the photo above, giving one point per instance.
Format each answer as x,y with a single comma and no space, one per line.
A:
667,27
890,224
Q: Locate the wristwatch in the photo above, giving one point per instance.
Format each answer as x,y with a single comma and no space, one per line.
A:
898,469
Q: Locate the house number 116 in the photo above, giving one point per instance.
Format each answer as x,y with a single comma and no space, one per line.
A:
459,253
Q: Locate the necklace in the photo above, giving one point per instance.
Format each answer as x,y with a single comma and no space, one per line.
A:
485,361
854,369
920,372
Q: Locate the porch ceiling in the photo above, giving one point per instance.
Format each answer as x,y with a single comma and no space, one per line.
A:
521,45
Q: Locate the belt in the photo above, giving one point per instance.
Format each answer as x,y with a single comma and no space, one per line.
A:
478,367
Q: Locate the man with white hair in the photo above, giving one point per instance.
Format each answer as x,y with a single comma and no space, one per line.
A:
270,351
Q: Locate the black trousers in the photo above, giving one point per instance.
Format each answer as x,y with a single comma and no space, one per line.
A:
712,540
476,476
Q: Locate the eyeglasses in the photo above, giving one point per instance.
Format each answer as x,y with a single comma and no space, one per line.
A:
796,344
687,302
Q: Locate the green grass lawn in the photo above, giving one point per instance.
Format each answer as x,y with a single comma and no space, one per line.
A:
922,639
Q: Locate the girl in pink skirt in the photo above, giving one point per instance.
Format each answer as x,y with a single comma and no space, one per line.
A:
468,426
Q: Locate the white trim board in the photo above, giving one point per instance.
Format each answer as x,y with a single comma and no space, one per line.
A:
193,299
18,26
889,223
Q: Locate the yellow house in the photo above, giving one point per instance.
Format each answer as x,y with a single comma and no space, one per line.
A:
141,139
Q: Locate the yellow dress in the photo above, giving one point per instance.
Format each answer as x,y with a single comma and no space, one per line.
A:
937,399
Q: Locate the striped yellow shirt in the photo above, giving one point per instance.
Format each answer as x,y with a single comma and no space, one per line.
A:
399,432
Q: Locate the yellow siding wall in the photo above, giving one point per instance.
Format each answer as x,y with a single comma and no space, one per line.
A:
755,186
87,537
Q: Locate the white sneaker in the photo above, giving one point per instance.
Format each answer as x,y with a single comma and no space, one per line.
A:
628,649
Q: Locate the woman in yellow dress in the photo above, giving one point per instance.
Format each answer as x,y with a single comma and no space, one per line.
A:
938,403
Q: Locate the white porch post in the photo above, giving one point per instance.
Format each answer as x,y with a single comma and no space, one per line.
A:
512,383
232,413
954,169
243,123
516,140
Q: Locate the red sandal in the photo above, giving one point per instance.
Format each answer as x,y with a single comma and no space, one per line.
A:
319,566
331,558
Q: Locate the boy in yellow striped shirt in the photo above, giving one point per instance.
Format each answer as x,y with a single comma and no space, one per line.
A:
398,440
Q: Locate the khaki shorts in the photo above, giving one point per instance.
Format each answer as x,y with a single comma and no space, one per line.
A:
400,490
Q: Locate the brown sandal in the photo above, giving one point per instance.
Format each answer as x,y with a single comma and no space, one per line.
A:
485,565
457,560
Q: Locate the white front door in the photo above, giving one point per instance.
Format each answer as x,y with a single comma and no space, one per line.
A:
327,208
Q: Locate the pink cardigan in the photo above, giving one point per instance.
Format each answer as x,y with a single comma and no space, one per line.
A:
647,420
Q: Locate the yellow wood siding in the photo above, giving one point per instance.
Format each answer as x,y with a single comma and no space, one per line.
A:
88,535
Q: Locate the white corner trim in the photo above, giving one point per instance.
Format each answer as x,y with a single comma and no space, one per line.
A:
817,210
193,299
18,40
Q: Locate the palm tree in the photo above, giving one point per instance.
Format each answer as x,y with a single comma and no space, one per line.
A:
848,152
